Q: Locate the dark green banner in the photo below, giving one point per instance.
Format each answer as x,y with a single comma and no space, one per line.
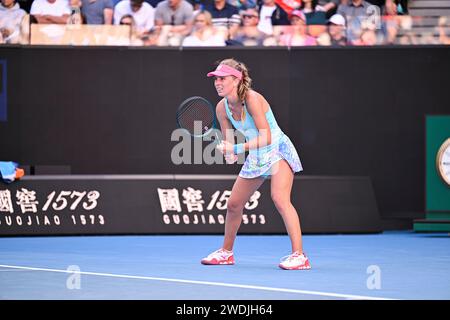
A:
437,189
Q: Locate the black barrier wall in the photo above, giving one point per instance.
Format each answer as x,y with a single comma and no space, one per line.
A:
178,204
349,111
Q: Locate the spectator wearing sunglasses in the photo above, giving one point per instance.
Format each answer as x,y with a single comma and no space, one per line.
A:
142,13
248,34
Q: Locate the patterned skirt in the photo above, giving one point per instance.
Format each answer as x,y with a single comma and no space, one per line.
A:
264,162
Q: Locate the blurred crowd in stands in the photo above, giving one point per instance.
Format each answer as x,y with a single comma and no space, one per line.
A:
231,22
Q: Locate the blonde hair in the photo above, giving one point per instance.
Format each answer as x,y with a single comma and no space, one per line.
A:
207,15
246,82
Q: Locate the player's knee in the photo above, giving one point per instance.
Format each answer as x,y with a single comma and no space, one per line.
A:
280,201
234,206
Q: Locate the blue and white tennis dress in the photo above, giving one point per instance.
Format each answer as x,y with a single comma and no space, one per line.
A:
259,161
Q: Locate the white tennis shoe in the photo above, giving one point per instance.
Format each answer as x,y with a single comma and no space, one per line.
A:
219,257
295,261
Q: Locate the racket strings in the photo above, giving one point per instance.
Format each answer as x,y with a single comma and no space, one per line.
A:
190,116
194,111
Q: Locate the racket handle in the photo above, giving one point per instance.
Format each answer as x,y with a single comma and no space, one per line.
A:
219,141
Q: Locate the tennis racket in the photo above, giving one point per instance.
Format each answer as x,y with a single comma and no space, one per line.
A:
197,116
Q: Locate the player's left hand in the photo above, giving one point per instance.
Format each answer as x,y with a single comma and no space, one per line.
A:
225,147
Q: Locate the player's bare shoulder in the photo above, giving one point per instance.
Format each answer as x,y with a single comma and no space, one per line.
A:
220,109
255,100
253,96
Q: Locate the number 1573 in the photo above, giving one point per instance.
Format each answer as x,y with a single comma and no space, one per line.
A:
76,197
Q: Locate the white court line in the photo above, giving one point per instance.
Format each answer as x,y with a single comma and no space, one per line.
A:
218,284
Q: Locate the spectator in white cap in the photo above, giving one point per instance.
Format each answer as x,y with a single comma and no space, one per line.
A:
336,29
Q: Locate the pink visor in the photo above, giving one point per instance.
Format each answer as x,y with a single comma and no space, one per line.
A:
223,70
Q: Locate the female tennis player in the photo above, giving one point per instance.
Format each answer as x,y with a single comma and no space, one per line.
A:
271,153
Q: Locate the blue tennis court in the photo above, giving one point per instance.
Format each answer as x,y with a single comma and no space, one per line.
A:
390,265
